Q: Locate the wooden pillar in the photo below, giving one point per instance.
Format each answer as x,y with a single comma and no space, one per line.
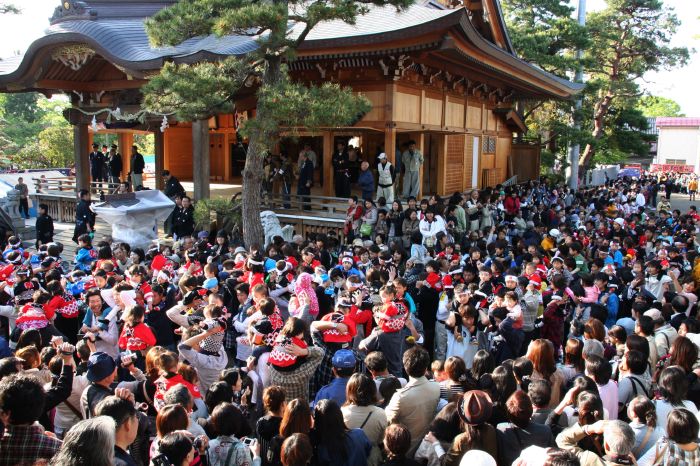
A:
159,140
81,149
420,144
228,138
390,144
200,159
126,140
327,163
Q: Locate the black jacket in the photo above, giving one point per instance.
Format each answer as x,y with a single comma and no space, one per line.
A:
83,214
137,164
115,165
44,228
183,221
173,187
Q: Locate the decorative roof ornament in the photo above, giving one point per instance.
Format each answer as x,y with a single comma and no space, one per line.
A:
73,56
71,9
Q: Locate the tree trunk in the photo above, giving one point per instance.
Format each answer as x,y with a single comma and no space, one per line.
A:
200,159
601,110
253,171
251,200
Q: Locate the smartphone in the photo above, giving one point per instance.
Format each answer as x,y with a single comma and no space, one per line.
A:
248,440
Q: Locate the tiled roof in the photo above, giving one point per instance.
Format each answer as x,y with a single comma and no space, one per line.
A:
677,121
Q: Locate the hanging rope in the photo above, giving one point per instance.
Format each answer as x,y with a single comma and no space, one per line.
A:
117,114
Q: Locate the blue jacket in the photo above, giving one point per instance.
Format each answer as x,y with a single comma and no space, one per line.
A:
333,391
366,183
84,259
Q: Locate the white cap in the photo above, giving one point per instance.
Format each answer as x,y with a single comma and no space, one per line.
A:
620,221
381,156
477,458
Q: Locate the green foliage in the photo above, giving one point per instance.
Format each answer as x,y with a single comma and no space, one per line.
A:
146,143
545,32
196,92
207,210
654,106
294,106
52,149
621,43
33,132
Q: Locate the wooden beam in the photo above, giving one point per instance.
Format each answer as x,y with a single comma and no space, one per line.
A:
200,159
81,149
90,86
159,139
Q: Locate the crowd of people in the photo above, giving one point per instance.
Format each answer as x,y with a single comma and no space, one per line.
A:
526,325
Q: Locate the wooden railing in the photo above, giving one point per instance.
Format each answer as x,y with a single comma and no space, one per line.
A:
333,206
512,181
69,186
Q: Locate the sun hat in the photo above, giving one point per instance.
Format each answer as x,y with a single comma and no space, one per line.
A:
475,407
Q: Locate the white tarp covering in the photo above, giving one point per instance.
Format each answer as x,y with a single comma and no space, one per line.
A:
136,222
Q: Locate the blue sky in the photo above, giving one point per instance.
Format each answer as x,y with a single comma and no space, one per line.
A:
17,33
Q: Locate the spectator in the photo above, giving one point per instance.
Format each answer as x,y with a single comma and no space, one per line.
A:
360,412
91,441
123,413
414,406
22,402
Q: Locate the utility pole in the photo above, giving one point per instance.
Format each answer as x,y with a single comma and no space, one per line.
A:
575,148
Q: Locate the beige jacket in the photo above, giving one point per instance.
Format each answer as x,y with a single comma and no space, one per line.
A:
414,406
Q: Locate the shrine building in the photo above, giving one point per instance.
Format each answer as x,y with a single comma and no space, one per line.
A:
446,77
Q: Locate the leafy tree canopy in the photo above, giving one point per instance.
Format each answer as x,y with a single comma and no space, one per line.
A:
655,106
280,27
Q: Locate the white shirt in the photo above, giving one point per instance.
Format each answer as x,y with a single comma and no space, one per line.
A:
429,229
640,200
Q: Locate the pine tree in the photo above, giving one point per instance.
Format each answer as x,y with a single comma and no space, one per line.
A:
203,89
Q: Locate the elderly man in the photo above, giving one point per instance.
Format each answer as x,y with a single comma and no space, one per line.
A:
618,441
412,160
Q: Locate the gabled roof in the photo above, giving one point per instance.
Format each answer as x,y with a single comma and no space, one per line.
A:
677,121
114,29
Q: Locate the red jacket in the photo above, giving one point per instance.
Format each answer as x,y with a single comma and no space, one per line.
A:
512,205
333,335
137,338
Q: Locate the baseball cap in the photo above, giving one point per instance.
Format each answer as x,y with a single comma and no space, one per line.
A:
381,156
100,366
210,283
344,359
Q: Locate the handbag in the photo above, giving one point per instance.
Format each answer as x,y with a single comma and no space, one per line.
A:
365,229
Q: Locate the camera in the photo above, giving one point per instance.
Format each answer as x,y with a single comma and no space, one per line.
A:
128,357
247,440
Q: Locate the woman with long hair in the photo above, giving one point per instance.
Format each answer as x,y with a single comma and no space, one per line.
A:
445,427
673,388
335,443
541,353
360,412
295,420
684,353
504,385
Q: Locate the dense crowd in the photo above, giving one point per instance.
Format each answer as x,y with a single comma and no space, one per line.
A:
526,325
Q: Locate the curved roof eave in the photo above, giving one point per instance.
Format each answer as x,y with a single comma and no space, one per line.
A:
487,47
